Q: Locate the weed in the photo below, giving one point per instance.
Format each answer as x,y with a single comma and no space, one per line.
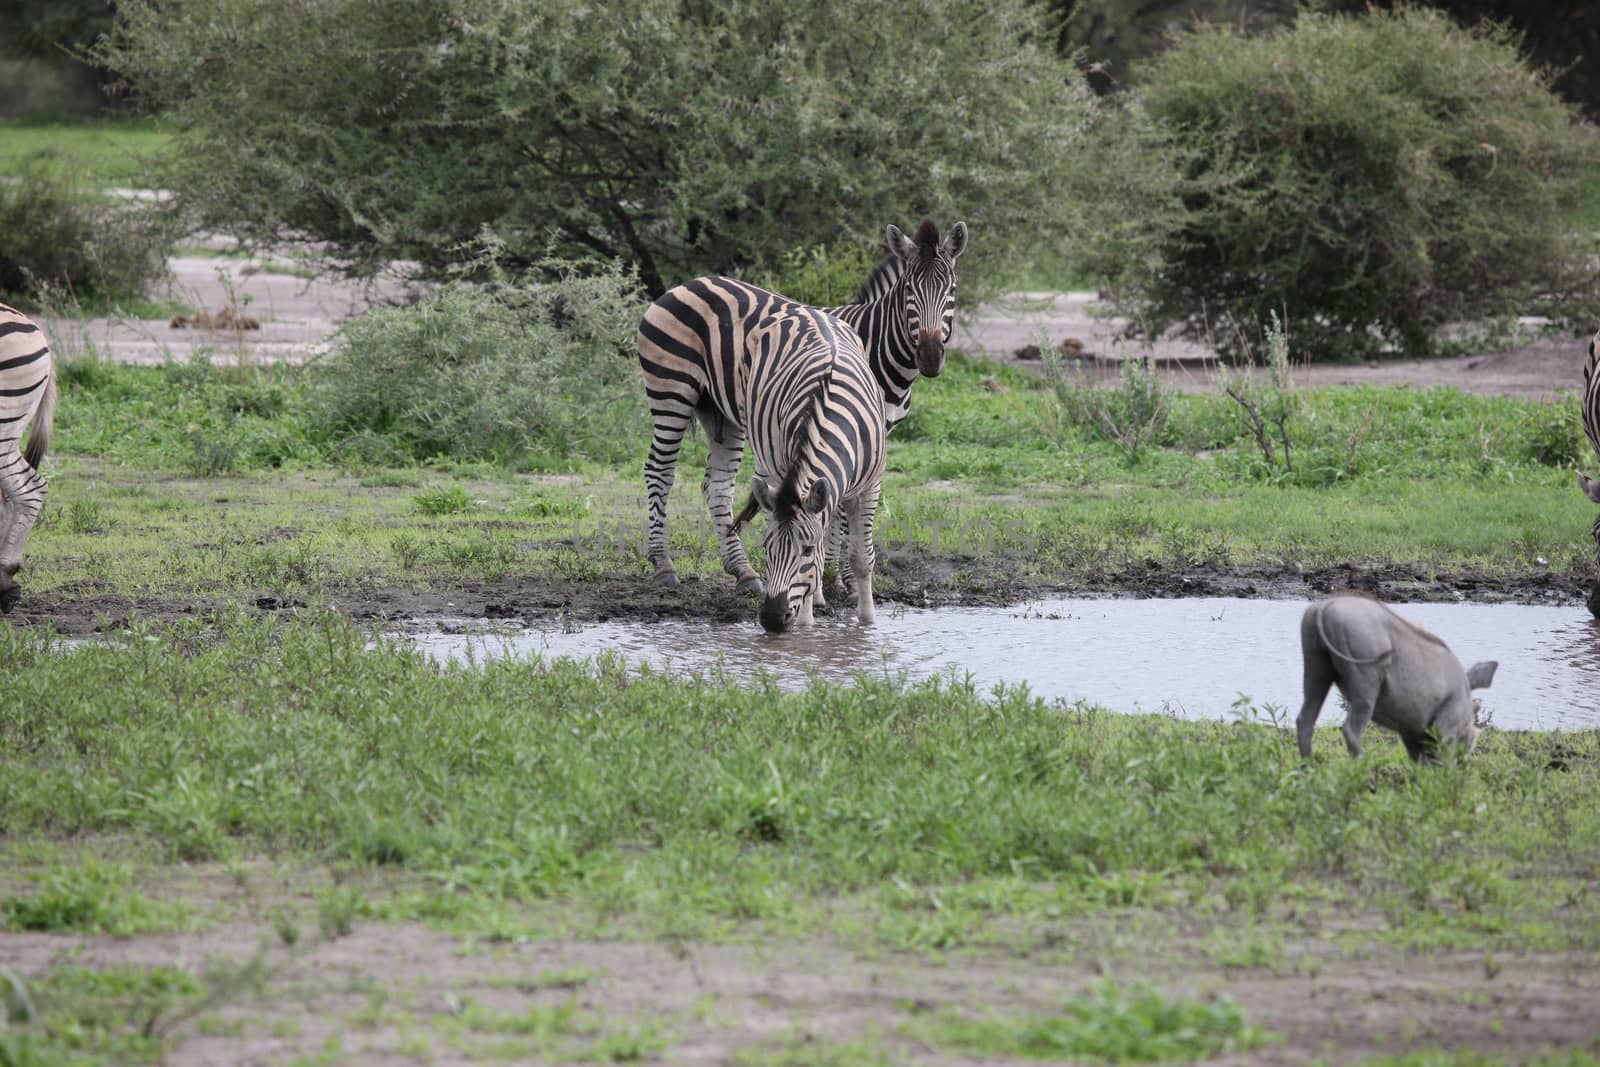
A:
1111,1027
451,500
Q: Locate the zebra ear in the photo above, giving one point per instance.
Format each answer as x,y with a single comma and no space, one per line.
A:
899,243
761,492
955,242
820,497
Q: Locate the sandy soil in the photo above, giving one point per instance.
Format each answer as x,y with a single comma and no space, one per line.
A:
387,991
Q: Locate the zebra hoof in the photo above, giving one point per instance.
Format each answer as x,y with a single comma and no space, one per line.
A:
10,593
667,579
752,584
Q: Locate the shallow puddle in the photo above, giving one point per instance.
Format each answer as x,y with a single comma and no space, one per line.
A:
1194,658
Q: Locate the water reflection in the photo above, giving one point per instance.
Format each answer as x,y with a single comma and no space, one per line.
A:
1191,657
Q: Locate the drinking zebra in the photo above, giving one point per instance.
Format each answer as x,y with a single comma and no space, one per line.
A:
814,414
693,337
1591,426
27,392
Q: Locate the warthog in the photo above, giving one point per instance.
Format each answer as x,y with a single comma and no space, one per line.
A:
1391,672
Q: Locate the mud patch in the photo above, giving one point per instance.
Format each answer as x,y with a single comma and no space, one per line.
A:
913,582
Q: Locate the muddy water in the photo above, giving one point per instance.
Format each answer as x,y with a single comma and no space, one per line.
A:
1192,657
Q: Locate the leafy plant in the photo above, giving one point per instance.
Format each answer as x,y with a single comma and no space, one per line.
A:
55,233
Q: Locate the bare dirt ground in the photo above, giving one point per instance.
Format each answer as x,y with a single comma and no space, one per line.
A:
401,992
297,316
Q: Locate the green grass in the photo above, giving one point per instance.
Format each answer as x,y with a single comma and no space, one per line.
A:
189,480
310,736
521,801
111,153
1111,1027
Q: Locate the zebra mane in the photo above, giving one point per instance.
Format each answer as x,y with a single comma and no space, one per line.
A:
879,281
927,239
804,439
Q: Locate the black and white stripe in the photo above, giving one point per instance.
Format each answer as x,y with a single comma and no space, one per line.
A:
814,414
27,395
1591,426
693,337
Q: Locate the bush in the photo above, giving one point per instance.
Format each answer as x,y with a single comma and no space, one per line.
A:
819,275
56,235
519,374
1371,178
682,138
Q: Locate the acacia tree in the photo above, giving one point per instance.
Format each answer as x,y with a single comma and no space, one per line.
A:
681,136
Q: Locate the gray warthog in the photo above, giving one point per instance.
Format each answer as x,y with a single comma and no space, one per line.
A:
1391,672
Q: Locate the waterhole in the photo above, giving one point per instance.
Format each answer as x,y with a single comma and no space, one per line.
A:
1193,658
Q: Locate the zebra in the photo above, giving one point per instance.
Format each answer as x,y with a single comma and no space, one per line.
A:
814,414
691,340
1591,427
27,392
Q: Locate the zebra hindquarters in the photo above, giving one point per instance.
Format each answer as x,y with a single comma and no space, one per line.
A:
859,514
21,485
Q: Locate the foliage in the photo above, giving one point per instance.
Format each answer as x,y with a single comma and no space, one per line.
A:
820,275
1267,400
1369,178
56,234
1133,416
684,138
505,372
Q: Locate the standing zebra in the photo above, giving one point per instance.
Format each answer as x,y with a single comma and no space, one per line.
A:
1591,426
27,391
814,414
691,341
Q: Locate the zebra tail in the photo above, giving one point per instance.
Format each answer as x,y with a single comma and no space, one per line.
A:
44,420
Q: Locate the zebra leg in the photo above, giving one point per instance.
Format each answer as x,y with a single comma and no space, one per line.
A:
838,537
725,452
24,490
666,439
862,556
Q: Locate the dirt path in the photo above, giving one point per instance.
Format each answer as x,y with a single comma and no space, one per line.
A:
298,315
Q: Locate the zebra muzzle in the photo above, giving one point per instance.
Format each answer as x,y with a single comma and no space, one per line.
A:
930,352
775,614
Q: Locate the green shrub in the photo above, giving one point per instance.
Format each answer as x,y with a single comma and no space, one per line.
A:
820,275
56,234
1370,178
525,375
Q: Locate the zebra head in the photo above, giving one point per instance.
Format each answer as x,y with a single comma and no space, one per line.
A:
928,285
794,542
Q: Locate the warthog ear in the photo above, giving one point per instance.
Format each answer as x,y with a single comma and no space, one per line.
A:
1479,675
1590,487
955,241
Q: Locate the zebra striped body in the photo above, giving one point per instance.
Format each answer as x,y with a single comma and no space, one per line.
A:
693,337
27,394
1591,426
815,420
